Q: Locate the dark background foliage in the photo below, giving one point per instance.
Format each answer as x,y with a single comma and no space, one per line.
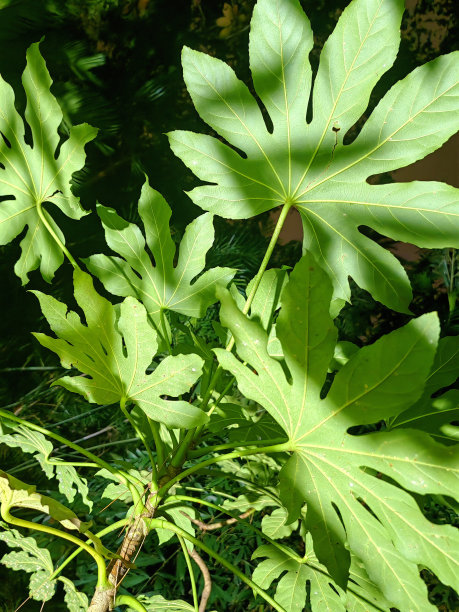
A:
116,65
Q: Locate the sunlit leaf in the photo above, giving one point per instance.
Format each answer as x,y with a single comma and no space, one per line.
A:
352,483
324,595
160,285
306,165
38,174
114,354
17,494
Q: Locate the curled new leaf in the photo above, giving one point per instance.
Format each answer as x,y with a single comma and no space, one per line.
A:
114,354
37,174
306,165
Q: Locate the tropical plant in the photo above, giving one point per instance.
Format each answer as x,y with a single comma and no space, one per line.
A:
337,446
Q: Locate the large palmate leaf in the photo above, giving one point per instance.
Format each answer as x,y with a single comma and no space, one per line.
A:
29,441
433,412
115,353
306,165
356,486
160,286
38,173
324,596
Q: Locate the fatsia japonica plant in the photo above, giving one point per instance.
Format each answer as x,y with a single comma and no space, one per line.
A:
334,445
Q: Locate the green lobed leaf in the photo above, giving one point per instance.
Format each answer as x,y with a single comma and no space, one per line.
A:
366,478
69,482
33,175
291,589
159,286
33,559
115,352
306,165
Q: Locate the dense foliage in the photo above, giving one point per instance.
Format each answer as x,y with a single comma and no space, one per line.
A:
241,398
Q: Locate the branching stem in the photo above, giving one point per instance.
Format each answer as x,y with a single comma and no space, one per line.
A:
162,524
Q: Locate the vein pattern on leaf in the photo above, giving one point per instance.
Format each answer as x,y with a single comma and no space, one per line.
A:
291,589
379,521
114,354
306,164
32,175
160,286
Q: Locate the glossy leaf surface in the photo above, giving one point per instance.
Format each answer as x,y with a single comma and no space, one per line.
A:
306,164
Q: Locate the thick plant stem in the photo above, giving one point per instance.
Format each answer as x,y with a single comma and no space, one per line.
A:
194,590
55,237
13,520
162,524
122,476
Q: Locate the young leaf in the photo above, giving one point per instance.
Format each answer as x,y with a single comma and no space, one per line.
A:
430,413
114,353
307,165
69,482
159,286
118,490
33,559
352,484
31,176
179,515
